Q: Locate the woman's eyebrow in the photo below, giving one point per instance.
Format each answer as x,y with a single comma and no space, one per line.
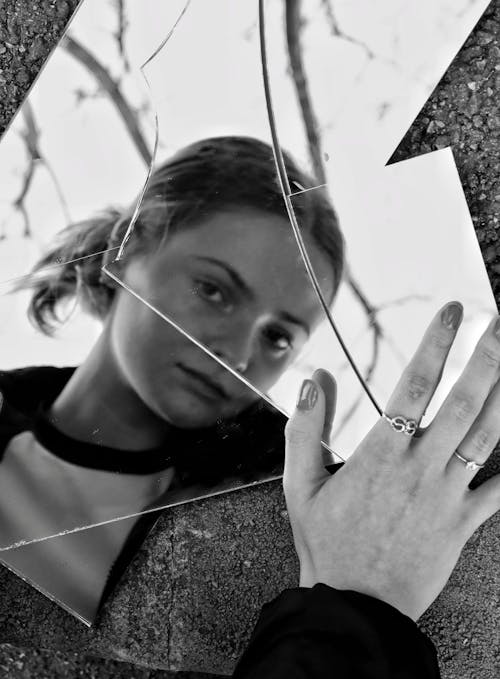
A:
285,316
234,275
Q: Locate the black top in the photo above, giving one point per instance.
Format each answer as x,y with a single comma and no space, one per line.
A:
322,632
252,442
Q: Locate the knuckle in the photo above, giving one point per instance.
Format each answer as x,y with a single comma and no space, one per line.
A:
440,340
463,407
482,442
415,487
296,436
489,356
418,385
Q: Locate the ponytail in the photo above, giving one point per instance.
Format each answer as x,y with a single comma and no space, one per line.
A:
72,265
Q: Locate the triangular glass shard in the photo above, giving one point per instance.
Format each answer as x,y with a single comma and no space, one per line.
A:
410,241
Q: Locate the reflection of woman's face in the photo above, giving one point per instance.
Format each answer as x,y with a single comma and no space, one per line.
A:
236,283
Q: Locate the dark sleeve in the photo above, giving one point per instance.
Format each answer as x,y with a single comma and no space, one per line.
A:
324,633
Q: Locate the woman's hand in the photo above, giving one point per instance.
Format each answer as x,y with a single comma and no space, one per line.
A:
391,523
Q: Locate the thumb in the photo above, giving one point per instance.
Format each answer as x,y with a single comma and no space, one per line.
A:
327,383
303,459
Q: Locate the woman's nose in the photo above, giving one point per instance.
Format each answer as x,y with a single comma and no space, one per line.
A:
236,349
240,366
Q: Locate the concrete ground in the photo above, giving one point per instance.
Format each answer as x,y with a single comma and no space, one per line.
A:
29,663
190,598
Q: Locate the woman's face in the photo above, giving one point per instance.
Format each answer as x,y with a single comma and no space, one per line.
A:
236,283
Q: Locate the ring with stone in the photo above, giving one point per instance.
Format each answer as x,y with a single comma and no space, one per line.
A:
472,465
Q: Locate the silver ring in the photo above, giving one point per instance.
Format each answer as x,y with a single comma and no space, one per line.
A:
472,465
401,424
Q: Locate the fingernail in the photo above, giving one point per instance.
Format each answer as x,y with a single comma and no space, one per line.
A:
496,329
329,386
308,395
452,315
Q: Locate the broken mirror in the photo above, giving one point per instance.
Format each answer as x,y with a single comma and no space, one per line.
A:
167,375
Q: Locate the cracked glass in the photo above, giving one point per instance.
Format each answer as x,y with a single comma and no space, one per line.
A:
215,320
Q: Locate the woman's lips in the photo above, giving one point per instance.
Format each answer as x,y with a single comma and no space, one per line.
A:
203,384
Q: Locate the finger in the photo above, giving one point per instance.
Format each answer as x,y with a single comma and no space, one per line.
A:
329,387
479,441
465,401
421,377
484,502
304,468
327,383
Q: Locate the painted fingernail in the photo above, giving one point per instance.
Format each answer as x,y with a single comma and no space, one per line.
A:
496,330
308,395
329,386
452,315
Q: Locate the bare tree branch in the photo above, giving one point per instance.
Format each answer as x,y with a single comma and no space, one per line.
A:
293,25
400,301
109,85
339,33
31,136
19,202
120,32
376,328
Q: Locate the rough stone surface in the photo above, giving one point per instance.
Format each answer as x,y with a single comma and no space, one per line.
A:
189,599
29,31
29,663
192,594
464,113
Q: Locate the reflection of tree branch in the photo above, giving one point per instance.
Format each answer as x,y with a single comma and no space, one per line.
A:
120,33
402,300
18,203
58,189
373,323
339,33
31,136
81,54
293,25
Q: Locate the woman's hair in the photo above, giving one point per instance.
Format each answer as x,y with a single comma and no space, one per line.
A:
201,179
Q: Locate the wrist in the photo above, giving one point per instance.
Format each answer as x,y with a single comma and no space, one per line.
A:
308,579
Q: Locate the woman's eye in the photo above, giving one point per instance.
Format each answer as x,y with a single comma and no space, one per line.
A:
279,340
209,291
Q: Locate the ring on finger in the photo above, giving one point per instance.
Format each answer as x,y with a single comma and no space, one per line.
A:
472,465
401,424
